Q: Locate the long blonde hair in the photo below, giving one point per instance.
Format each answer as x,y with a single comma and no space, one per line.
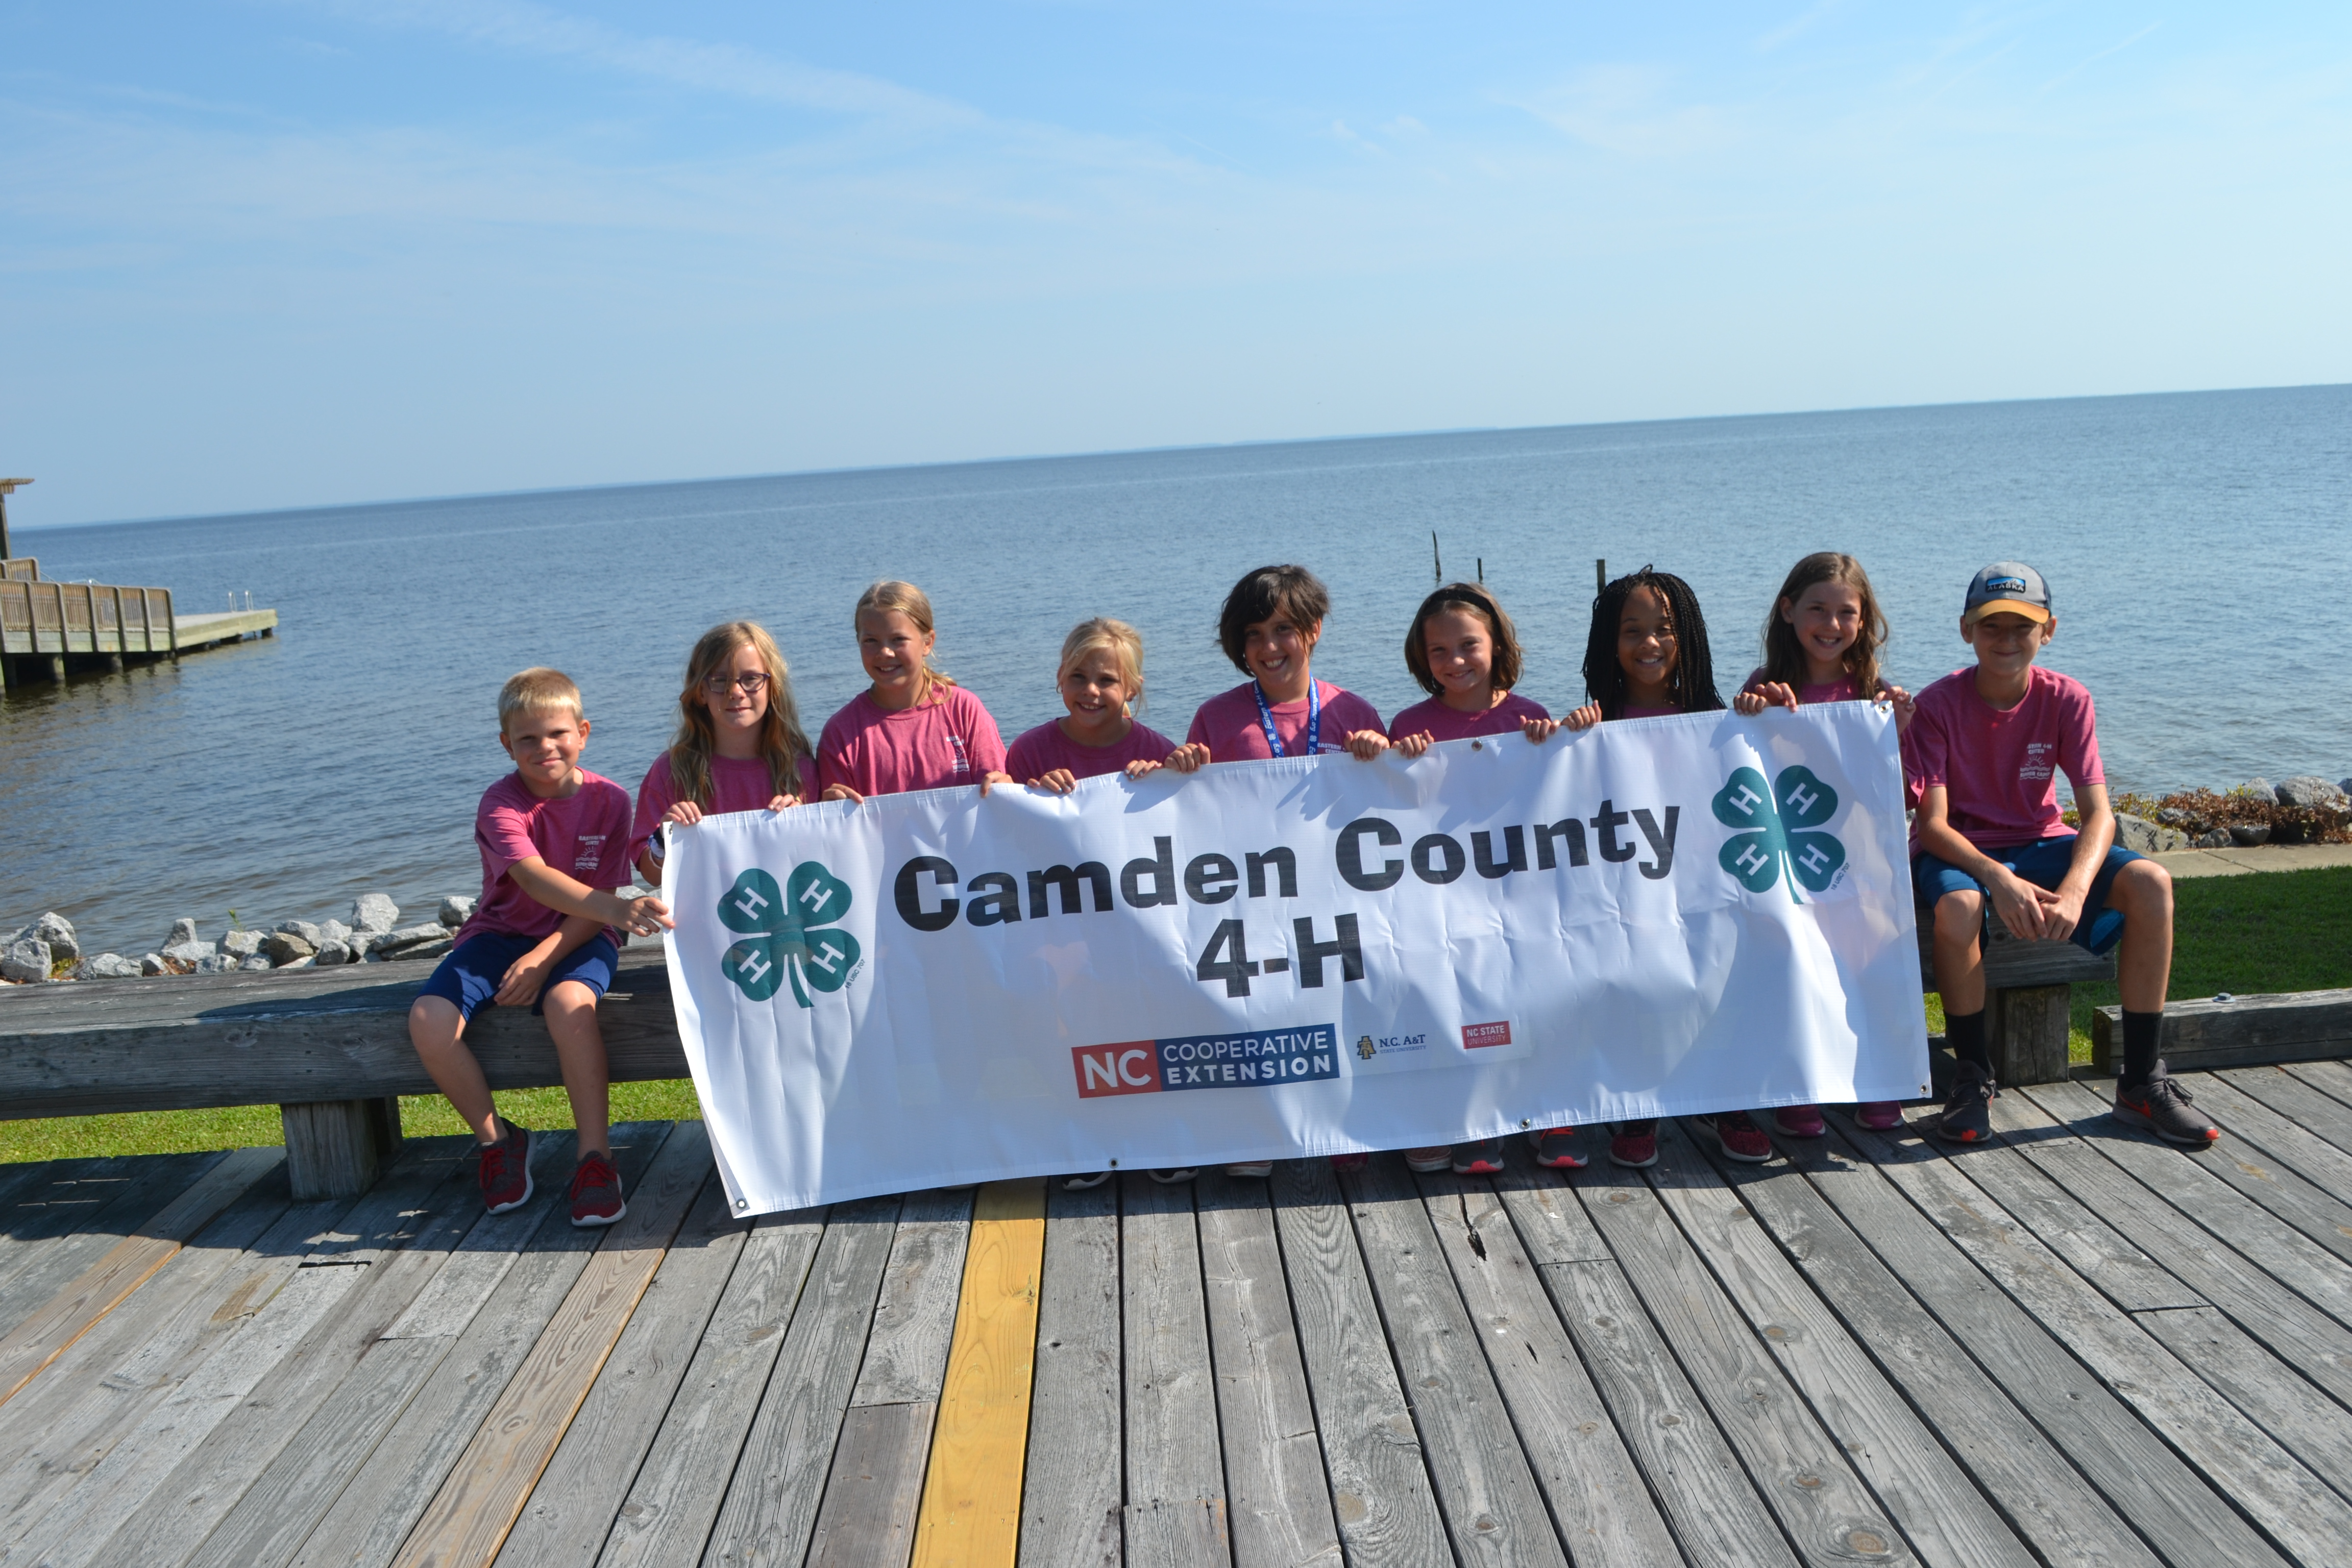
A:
911,602
781,741
1125,644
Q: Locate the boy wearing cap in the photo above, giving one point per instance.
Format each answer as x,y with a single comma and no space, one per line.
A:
1985,750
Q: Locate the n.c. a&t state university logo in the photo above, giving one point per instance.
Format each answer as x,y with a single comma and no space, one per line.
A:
788,933
1783,827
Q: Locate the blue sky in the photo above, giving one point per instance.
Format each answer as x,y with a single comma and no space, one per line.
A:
301,251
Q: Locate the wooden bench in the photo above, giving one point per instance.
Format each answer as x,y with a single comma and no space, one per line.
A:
2028,998
2242,1031
331,1046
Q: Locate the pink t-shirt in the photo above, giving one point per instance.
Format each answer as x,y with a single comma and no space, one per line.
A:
1649,710
946,740
586,836
1444,723
1999,769
737,783
1842,690
1041,749
1228,724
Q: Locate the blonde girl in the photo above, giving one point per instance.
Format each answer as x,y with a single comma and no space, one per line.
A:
913,728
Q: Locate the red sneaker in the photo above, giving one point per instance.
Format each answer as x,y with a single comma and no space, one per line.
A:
1800,1121
1343,1164
1741,1138
1879,1115
505,1170
1634,1145
596,1192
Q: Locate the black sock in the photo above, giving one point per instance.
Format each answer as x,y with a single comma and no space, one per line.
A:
1966,1034
2140,1033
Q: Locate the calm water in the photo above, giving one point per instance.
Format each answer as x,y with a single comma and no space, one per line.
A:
2196,544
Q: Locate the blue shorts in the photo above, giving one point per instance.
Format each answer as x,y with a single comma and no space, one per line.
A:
470,975
2044,863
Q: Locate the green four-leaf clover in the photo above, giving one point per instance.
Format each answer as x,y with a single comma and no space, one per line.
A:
1781,823
788,933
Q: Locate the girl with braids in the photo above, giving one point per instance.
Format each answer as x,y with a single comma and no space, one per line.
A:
739,747
913,728
1821,644
1646,658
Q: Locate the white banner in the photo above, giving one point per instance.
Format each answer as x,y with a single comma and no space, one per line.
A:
1300,957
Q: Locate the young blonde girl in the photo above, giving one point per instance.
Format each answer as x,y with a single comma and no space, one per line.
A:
1821,644
1100,682
739,746
913,728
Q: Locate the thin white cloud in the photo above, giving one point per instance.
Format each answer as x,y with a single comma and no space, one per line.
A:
1623,109
2068,75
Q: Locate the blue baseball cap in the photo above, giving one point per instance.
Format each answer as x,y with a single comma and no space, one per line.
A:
2007,586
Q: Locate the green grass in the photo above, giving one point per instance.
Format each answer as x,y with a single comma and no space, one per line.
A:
2274,930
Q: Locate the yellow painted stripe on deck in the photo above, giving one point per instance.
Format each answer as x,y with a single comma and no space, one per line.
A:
971,1515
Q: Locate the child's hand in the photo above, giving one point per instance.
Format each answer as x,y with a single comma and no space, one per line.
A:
685,814
1539,730
783,802
842,791
1584,718
1061,781
1765,694
993,777
1141,766
1189,758
1365,745
2021,905
1902,702
1415,745
644,916
526,976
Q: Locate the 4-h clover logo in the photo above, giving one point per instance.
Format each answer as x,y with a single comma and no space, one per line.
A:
1781,825
790,932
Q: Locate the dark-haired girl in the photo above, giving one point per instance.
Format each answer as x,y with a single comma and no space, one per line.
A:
1646,658
1269,627
1821,644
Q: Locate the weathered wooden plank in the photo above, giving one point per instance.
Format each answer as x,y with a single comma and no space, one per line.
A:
1552,1223
2245,1231
2333,1079
907,1354
669,1510
2232,1161
2312,1110
1946,1519
1716,1516
15,1181
129,1263
1596,1495
56,1197
2059,1514
1279,1509
229,1416
308,1034
971,1512
40,1271
1070,1493
338,1147
770,1504
571,1510
1824,1508
307,1477
2285,1141
1175,1474
1382,1496
2173,1504
379,1502
867,1517
1494,1510
2201,1035
469,1518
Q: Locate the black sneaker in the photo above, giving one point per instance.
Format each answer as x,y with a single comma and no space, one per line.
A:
1083,1180
1483,1158
1965,1119
2164,1108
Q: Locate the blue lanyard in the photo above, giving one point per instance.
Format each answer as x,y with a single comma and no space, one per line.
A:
1313,718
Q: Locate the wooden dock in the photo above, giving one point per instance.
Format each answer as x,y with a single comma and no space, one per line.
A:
2076,1345
47,626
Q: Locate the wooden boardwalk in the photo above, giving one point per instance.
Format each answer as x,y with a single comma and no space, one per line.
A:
2074,1346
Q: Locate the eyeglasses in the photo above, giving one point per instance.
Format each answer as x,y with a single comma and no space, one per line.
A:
753,683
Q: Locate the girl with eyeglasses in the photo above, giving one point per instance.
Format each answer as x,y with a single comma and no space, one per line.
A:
739,747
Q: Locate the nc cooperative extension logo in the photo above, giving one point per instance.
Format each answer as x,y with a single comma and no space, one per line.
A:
790,934
1261,1058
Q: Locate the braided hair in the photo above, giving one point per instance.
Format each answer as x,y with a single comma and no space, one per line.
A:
1690,683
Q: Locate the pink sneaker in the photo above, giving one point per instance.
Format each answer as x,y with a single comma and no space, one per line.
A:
1741,1138
1800,1121
1879,1115
1634,1145
1343,1164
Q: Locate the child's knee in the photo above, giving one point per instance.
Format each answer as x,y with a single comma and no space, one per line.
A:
2143,891
434,1022
1960,917
568,999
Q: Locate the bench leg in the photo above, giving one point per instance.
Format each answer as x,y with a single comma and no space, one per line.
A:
337,1147
2025,1031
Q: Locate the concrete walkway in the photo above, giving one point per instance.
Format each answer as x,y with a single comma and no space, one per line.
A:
2269,858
